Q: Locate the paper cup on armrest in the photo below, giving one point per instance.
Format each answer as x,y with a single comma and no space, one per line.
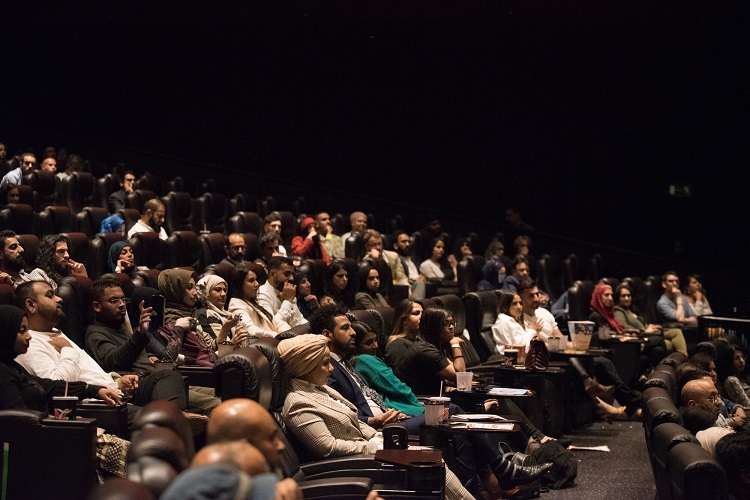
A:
463,381
580,334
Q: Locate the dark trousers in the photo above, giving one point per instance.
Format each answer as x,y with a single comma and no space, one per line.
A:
166,385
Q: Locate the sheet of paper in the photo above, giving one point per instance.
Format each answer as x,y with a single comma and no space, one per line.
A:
590,448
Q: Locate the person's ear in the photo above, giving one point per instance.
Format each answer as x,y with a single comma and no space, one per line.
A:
30,306
97,306
328,334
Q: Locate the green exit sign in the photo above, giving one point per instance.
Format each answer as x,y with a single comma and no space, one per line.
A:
681,190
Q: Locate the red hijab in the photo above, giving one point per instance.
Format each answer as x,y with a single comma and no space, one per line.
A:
605,312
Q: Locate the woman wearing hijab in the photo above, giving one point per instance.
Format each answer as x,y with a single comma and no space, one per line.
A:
21,390
216,323
328,425
178,337
121,259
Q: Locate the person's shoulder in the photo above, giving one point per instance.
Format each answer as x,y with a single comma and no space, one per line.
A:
543,313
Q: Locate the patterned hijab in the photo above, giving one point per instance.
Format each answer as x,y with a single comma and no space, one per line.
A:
204,286
597,305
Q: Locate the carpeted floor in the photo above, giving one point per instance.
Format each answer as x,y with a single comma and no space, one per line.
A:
622,473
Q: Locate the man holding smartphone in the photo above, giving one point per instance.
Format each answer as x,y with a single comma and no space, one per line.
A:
278,295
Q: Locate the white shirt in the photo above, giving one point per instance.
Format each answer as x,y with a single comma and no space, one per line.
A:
285,314
72,364
507,331
548,322
140,227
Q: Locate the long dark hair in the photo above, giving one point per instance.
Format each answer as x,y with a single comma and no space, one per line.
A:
401,312
504,301
431,327
443,262
346,296
725,361
362,275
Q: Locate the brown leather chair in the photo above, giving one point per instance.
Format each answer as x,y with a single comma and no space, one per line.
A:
138,197
20,218
244,373
149,250
212,213
481,314
243,202
30,244
180,210
76,294
43,184
79,190
245,222
105,186
694,474
155,457
89,220
55,220
100,244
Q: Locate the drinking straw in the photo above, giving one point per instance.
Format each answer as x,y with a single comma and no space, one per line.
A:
441,389
66,388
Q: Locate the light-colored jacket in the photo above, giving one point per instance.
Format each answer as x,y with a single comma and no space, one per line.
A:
256,323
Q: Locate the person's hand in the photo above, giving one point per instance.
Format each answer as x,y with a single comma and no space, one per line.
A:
739,412
490,404
383,419
373,495
109,396
239,335
676,291
128,384
76,268
312,231
452,260
420,277
58,342
310,298
327,300
538,325
6,279
288,292
288,489
651,328
183,322
374,253
123,264
456,341
153,359
145,318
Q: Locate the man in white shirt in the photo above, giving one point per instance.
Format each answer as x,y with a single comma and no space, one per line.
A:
402,246
535,317
279,296
53,355
152,219
15,176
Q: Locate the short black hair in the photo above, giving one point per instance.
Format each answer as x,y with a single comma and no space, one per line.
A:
323,318
733,453
98,287
4,235
526,284
275,262
25,291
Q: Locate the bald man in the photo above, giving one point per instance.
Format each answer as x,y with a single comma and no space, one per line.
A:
701,392
239,453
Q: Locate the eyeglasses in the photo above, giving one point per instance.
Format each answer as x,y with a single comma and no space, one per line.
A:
450,324
714,397
238,247
115,301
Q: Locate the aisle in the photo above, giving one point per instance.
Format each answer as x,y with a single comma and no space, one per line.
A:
624,472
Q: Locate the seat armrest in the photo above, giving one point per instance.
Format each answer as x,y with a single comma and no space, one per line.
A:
202,376
360,461
333,487
111,418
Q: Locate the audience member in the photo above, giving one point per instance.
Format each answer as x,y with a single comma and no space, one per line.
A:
333,243
402,245
73,163
439,268
306,301
337,286
697,296
702,393
495,267
307,243
11,258
278,295
53,261
358,223
462,249
272,224
152,219
732,379
733,453
220,480
15,176
245,282
672,306
509,329
519,271
729,408
368,296
374,250
269,247
121,259
234,248
116,347
117,199
10,194
180,339
49,164
216,323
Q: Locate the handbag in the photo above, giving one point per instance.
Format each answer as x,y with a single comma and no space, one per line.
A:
538,357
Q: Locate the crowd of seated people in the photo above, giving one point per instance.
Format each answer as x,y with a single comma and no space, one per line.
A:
276,290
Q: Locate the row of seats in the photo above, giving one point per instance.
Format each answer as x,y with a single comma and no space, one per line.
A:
682,469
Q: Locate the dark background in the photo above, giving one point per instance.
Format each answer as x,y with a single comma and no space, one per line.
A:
580,113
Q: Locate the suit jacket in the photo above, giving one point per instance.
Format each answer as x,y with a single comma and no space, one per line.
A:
325,422
345,385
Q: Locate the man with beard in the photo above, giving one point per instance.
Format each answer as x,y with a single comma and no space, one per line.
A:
402,245
11,258
152,219
51,354
15,176
116,347
234,247
53,261
333,243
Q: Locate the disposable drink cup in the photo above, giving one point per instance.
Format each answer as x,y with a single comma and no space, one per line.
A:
64,407
443,403
463,381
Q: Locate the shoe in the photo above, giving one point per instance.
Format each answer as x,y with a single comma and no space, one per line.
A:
606,411
595,389
637,415
523,492
522,475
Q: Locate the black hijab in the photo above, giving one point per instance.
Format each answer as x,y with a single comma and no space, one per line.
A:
10,323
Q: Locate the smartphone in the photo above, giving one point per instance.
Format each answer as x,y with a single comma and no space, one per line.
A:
157,302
